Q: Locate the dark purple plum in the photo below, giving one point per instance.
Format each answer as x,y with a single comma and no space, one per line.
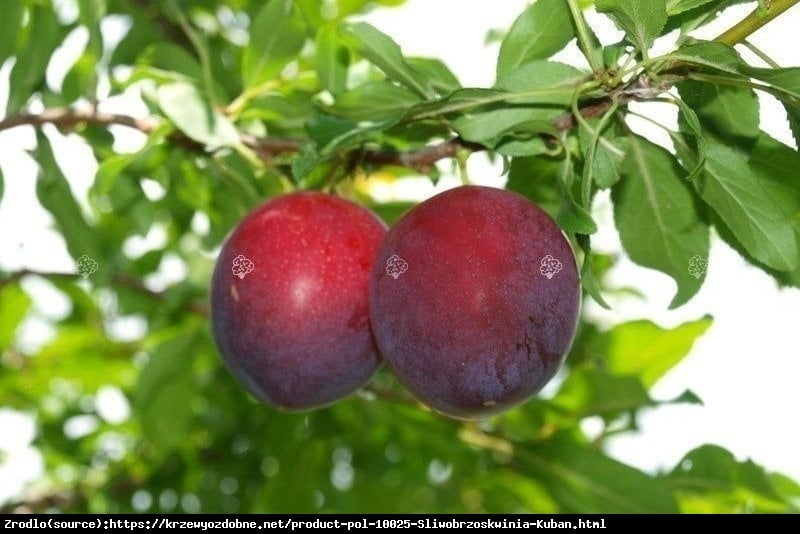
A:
474,300
289,300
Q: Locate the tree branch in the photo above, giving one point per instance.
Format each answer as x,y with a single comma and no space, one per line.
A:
421,160
755,20
120,280
68,118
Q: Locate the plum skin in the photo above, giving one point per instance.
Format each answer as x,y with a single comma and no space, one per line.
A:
295,330
473,327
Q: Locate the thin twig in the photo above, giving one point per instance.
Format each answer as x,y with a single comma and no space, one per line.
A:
761,54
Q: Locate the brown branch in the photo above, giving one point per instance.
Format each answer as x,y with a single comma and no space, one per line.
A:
69,118
120,280
421,160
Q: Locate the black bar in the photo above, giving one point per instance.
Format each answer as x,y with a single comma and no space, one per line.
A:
364,522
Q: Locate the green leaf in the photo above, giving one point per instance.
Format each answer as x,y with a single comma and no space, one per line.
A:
729,113
609,154
641,21
524,146
588,392
645,350
93,361
493,127
700,15
276,37
81,79
734,192
164,391
776,165
543,82
590,272
437,73
111,166
572,216
537,178
332,133
721,57
710,480
690,122
793,115
785,79
308,158
787,488
679,6
656,219
56,196
584,480
613,53
458,101
543,29
185,107
548,182
783,83
374,101
332,60
10,24
14,306
710,54
380,50
43,34
687,397
285,114
391,212
541,90
172,63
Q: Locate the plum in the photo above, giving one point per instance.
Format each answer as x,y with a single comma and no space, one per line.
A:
474,300
289,300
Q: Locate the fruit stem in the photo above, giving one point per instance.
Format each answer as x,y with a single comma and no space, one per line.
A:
583,36
461,160
240,102
760,16
760,53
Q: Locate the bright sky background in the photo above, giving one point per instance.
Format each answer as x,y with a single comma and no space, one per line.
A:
745,368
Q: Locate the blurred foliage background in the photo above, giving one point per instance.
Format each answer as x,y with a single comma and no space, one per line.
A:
234,89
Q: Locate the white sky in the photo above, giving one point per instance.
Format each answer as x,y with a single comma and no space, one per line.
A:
745,368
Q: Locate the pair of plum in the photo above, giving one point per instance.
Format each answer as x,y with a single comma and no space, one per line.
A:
472,298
